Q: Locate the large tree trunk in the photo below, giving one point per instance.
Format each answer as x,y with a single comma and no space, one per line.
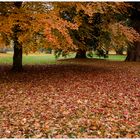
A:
133,53
17,57
80,54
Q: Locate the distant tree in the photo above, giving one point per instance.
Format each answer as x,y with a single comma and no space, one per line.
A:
119,50
3,50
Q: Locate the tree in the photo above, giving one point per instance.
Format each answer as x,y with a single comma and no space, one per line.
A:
101,28
86,37
32,25
133,51
17,57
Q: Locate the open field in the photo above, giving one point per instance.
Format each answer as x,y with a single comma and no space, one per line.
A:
47,58
77,98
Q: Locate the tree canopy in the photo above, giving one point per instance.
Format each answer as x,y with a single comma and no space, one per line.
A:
38,24
109,21
35,25
42,19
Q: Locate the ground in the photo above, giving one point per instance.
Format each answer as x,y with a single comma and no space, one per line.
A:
72,98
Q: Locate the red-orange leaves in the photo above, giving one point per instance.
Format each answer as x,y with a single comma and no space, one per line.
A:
36,21
82,99
123,33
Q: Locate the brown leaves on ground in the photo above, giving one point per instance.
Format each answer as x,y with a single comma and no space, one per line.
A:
82,98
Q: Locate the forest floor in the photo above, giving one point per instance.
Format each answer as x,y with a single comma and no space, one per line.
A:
73,98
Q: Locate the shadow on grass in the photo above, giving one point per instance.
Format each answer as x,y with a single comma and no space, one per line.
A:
58,71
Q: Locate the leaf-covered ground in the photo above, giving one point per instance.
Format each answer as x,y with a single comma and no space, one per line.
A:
82,99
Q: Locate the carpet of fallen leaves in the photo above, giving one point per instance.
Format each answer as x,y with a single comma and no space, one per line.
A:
82,99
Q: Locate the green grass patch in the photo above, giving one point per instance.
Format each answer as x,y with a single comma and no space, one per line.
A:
6,59
31,59
43,59
40,59
112,57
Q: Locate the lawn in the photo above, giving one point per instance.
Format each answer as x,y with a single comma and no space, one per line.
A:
77,99
29,59
48,58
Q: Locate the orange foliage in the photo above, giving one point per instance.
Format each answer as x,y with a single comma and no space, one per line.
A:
35,20
42,25
121,34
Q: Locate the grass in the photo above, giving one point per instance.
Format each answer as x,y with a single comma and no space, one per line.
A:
114,57
29,59
48,58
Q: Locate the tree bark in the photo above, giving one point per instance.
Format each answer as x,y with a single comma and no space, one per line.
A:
17,57
80,54
133,53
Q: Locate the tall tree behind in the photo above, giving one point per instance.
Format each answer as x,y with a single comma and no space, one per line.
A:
86,37
88,33
133,52
112,32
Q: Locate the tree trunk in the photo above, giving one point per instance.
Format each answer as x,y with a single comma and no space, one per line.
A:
17,57
133,53
81,54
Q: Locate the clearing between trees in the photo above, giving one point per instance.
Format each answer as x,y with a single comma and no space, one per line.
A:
75,98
